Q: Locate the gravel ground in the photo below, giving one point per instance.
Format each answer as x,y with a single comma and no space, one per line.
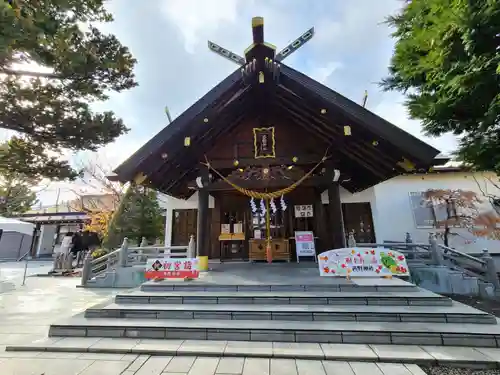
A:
458,371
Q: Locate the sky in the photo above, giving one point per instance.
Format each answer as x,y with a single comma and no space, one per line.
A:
350,53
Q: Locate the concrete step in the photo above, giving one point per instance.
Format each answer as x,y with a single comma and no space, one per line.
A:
395,354
473,335
380,285
457,313
420,297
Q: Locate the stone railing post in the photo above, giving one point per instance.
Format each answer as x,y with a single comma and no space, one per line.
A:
144,242
436,254
191,253
86,269
351,241
491,269
409,247
123,254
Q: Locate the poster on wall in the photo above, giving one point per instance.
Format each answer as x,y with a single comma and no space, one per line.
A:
362,262
304,244
168,268
303,210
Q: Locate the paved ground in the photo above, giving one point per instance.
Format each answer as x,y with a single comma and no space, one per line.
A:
11,273
129,364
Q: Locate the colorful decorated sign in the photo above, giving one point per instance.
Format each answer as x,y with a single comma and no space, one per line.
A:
362,262
168,268
304,244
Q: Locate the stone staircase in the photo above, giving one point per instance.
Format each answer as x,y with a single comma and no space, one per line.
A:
373,311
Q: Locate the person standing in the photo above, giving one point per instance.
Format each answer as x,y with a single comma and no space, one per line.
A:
76,244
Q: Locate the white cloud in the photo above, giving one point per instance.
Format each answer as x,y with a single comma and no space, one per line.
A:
393,110
195,19
322,73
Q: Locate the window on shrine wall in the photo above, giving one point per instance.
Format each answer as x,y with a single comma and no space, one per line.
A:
303,217
426,215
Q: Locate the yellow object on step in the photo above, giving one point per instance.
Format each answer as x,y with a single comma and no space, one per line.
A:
203,263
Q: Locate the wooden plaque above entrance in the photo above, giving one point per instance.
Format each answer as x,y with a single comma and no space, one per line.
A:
264,143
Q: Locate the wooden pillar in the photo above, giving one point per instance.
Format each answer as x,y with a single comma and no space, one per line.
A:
319,220
336,219
203,224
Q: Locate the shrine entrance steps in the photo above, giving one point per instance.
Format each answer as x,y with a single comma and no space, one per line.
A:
375,312
386,312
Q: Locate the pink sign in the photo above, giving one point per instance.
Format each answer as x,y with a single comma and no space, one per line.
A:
307,237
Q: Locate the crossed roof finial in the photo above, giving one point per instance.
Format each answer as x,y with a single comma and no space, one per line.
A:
258,42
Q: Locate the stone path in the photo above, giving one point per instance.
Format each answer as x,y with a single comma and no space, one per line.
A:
129,364
424,355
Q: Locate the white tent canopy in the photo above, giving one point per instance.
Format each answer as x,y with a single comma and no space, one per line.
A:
13,225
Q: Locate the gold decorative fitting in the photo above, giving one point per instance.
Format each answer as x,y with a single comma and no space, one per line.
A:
240,170
375,143
406,164
140,178
347,130
257,21
187,141
236,163
205,120
164,155
264,143
261,77
295,159
323,111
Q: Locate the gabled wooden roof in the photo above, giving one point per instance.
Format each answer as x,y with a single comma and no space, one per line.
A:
378,148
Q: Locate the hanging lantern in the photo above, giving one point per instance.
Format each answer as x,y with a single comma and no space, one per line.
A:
187,141
236,163
295,159
347,130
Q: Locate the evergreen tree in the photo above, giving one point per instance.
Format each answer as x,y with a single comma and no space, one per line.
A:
50,112
447,62
139,215
16,194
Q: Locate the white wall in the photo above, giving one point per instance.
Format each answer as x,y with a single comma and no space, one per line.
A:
394,215
391,206
46,240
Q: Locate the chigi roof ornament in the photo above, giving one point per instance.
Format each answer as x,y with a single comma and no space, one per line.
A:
258,43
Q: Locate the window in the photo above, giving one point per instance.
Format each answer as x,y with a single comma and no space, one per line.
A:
426,214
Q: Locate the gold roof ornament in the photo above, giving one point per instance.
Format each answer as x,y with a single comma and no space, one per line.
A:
140,178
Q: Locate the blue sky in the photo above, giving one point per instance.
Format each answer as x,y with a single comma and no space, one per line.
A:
349,53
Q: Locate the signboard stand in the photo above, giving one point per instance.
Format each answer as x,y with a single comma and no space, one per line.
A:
362,262
304,245
169,268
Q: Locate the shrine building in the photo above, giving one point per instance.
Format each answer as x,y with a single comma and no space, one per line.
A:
269,132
